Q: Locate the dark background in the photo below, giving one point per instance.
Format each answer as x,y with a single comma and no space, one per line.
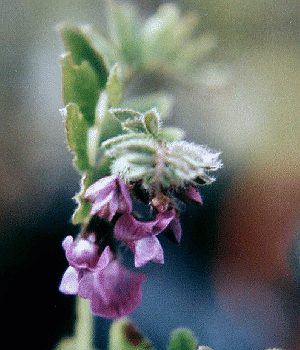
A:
235,278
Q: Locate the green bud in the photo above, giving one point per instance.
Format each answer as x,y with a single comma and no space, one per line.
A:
182,339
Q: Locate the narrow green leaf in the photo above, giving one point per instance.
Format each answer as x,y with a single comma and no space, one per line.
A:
114,86
76,129
82,49
124,335
161,101
81,86
182,339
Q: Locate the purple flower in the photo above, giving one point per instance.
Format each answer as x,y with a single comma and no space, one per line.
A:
109,196
82,254
82,257
141,236
113,290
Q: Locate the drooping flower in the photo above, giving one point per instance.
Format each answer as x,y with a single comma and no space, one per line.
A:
141,236
109,195
113,290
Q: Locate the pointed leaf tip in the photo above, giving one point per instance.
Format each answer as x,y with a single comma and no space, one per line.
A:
82,49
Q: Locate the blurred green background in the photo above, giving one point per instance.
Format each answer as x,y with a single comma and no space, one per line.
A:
246,104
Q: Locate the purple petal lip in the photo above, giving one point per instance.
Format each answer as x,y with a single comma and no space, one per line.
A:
147,249
128,228
141,236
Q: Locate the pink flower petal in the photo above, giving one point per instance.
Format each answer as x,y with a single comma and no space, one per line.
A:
105,258
101,187
125,205
128,228
102,206
147,249
163,220
81,254
109,195
69,282
67,242
86,285
122,289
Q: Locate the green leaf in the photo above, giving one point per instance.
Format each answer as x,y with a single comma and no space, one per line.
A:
114,86
124,30
137,126
171,134
83,208
93,137
151,120
81,86
109,126
131,120
161,101
158,39
182,339
76,128
100,44
82,211
192,51
124,335
82,49
125,114
115,141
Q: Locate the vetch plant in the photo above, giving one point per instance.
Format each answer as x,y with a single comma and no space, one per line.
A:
136,174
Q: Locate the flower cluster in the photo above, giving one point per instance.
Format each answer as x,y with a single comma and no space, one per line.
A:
136,174
113,290
95,273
